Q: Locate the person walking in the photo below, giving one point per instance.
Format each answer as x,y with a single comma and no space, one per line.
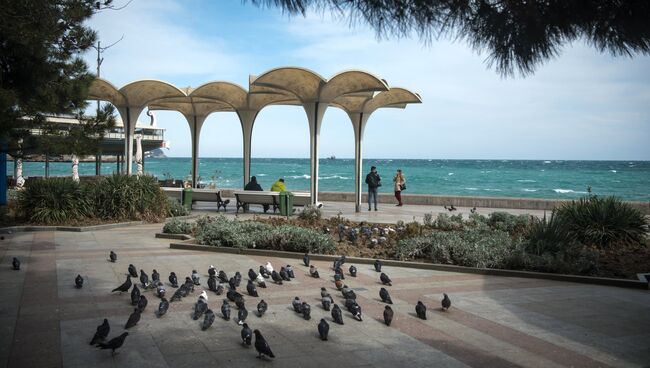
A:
400,184
374,182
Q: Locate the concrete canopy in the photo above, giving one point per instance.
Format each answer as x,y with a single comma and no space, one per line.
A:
359,107
315,93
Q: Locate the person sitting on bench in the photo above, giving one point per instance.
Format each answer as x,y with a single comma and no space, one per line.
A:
279,186
253,185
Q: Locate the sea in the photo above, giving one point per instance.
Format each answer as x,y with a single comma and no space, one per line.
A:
551,179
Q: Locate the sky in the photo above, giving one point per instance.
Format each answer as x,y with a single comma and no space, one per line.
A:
582,105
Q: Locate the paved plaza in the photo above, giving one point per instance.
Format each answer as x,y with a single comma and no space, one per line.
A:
493,322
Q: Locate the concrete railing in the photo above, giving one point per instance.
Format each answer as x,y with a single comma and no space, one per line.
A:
458,201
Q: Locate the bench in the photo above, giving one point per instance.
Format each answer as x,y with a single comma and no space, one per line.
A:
267,199
199,195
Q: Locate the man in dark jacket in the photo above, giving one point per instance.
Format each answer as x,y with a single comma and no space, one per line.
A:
374,181
253,185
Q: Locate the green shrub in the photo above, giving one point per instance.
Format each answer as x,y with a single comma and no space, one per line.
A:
298,239
175,208
310,214
513,224
428,220
176,226
444,222
602,221
55,201
130,197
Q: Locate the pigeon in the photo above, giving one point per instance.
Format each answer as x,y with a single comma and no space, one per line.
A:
260,281
160,290
246,334
269,267
195,278
356,311
112,256
338,284
337,316
250,287
16,264
385,279
124,287
212,283
262,346
115,343
232,295
101,333
162,307
324,292
133,271
219,290
276,277
473,210
264,272
232,283
237,279
144,279
135,295
339,272
239,302
142,303
284,275
251,274
297,305
222,276
337,277
388,315
225,310
323,329
155,276
313,272
133,319
208,320
289,270
306,311
173,280
189,284
241,315
261,308
199,308
377,265
79,282
385,297
446,302
327,302
353,271
348,293
421,310
305,259
212,271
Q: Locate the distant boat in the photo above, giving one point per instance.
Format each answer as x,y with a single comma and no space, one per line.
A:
332,157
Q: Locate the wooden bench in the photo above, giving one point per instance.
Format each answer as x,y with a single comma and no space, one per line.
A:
268,199
199,195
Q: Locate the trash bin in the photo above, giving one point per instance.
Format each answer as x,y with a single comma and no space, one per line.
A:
286,203
186,198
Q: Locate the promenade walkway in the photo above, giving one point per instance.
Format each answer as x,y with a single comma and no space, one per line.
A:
494,321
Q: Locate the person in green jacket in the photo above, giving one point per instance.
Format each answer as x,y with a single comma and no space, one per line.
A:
279,186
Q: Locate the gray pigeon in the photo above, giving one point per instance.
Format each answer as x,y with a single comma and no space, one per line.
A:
324,292
16,264
125,286
284,275
133,271
275,276
200,307
144,279
297,305
155,276
385,296
162,307
195,278
446,302
142,303
115,343
323,329
246,334
135,295
173,280
225,310
388,315
353,271
421,310
112,256
252,275
377,265
290,272
337,316
261,308
79,282
306,311
212,283
385,279
262,346
252,290
241,316
327,302
160,290
134,318
101,333
305,259
208,320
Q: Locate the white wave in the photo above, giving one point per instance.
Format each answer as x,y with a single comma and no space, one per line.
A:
471,188
450,174
333,177
547,162
262,174
303,176
529,190
486,171
492,190
612,171
526,181
565,191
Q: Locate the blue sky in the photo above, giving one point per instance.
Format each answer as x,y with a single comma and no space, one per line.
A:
582,105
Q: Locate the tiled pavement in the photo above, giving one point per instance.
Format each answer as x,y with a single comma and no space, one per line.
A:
494,321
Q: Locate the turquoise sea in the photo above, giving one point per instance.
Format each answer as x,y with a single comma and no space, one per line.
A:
629,180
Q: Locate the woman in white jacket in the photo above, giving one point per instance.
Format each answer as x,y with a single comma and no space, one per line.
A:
400,182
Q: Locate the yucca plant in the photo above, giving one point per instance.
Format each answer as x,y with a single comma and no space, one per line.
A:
55,201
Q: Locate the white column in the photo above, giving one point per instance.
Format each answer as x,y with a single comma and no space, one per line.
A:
358,120
315,111
247,120
75,167
129,118
196,123
20,181
139,156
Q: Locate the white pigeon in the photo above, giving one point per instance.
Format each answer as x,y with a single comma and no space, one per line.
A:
259,278
269,267
204,295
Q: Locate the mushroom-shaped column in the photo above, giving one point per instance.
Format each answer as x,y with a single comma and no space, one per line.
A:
315,94
359,107
130,100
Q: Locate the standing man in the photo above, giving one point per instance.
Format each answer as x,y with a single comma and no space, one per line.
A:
374,181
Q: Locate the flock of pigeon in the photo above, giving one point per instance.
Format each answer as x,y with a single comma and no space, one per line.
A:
216,282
